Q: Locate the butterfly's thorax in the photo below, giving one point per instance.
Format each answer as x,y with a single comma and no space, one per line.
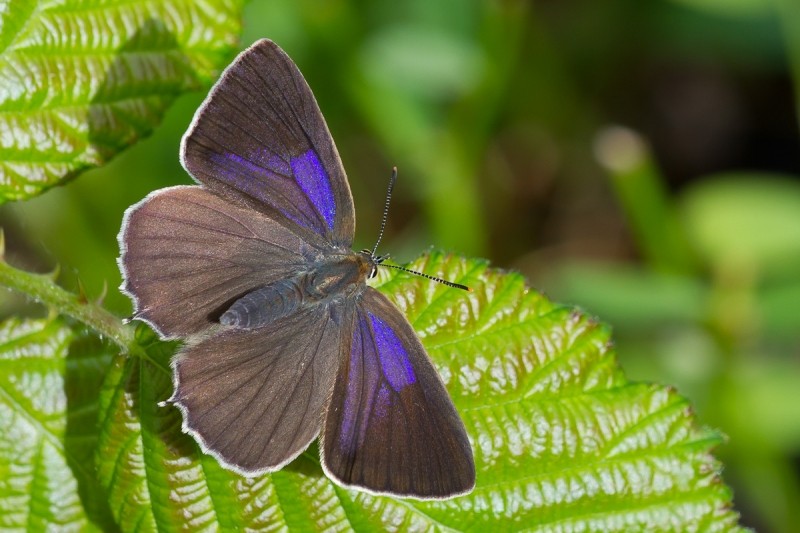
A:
340,276
325,279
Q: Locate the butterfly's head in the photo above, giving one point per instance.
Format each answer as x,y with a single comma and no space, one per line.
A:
373,261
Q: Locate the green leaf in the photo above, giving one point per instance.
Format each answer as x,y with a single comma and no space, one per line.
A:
562,440
82,79
49,380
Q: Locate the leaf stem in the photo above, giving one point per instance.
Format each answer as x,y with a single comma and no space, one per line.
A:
42,288
641,192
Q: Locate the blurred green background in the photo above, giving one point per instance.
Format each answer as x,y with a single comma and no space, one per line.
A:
637,159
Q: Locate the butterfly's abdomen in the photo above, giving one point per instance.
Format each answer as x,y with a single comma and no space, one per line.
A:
264,305
333,277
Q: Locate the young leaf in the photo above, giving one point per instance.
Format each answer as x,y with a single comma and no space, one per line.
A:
49,383
562,440
81,81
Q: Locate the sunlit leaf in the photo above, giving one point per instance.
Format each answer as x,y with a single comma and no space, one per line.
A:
562,440
49,381
82,79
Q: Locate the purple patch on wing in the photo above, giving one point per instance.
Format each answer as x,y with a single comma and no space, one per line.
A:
382,402
270,180
364,374
392,354
249,186
312,178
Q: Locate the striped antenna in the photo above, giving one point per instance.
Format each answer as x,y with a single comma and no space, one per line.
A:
432,278
392,180
379,259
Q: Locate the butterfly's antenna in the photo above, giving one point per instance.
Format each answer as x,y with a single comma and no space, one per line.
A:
432,278
379,259
385,209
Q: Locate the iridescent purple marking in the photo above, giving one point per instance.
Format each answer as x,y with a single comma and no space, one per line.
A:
394,359
254,179
382,402
311,177
251,187
358,398
350,407
275,163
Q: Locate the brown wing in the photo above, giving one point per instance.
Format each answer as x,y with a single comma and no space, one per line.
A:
187,254
254,398
260,140
391,428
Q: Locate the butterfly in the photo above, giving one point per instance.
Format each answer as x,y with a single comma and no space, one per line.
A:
284,341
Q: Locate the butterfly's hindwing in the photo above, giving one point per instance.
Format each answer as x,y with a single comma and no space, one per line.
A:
253,398
391,428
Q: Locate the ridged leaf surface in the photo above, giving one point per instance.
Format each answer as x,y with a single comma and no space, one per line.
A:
49,381
562,441
82,79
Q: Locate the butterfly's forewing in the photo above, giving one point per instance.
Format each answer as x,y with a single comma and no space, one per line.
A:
260,140
391,427
253,398
187,253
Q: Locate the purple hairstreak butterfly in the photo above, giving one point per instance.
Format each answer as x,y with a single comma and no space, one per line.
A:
284,340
